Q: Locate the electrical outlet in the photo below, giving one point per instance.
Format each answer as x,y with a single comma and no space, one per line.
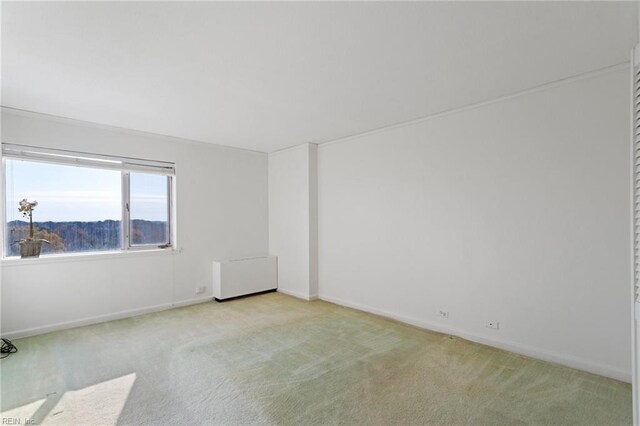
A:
492,324
443,314
201,289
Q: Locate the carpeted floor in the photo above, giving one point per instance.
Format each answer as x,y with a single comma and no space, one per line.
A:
273,359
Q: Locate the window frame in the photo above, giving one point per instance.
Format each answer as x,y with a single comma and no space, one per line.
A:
126,216
87,160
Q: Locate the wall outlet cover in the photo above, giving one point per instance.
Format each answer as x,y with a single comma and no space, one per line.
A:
492,324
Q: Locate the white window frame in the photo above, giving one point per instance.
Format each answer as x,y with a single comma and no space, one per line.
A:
126,215
82,159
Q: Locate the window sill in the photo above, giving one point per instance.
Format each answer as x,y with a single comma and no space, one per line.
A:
84,257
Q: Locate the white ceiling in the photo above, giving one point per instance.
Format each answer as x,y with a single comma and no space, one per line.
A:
265,76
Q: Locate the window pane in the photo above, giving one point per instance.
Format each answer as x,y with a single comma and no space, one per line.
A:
149,205
79,208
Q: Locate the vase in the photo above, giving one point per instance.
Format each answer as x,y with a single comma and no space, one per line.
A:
30,248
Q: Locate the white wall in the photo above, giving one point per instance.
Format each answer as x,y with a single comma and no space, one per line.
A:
221,211
515,211
293,219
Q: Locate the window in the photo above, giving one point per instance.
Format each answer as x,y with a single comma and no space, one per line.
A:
149,213
86,203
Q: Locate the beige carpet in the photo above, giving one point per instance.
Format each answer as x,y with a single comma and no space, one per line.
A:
273,359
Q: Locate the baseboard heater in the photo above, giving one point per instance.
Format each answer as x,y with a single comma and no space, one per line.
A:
242,276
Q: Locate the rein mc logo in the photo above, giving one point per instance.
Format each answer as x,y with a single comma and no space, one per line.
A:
18,421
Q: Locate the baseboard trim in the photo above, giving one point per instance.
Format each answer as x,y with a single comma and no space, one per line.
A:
27,332
577,363
299,295
243,296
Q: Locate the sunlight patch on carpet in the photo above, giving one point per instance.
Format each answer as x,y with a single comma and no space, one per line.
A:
99,404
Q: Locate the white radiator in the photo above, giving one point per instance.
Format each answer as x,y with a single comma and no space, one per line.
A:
242,276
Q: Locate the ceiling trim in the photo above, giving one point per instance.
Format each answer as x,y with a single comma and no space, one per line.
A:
177,139
539,88
93,124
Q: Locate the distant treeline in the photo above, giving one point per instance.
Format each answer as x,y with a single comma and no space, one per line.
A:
85,236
